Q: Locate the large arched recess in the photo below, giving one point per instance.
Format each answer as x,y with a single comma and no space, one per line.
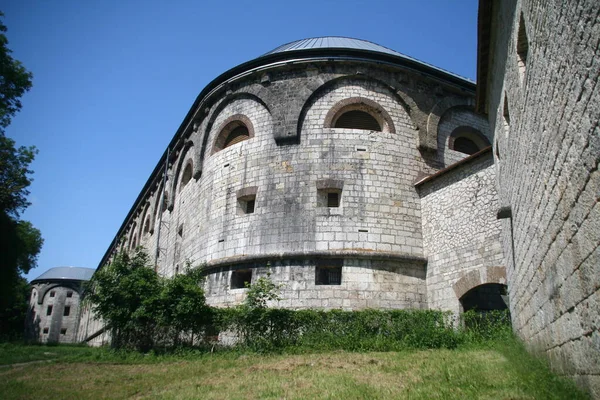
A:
201,154
321,90
186,152
485,297
428,139
157,204
470,283
144,217
47,288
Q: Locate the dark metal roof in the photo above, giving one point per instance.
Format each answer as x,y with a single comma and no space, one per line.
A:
333,42
67,273
340,42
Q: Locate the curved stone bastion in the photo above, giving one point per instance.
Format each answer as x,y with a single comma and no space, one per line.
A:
313,164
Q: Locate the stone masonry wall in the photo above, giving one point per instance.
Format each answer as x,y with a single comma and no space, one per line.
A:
293,157
545,109
461,235
365,284
90,325
52,325
455,118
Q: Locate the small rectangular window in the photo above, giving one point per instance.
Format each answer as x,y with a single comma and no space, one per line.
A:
241,278
67,311
46,331
63,331
49,310
333,199
246,198
329,193
250,206
52,293
246,205
69,294
328,275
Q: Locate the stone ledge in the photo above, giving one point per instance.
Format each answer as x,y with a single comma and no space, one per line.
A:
354,254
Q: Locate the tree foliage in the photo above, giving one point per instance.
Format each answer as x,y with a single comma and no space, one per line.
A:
262,291
15,80
20,241
143,310
14,176
183,304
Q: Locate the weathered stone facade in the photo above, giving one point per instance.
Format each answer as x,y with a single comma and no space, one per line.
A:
54,307
461,234
295,157
538,72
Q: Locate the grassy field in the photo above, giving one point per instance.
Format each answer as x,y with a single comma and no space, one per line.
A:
503,371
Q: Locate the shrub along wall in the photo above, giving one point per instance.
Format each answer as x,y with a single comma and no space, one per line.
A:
145,312
367,330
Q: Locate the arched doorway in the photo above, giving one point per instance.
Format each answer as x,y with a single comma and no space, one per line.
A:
485,297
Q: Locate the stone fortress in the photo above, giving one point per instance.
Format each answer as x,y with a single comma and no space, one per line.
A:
55,305
359,177
356,176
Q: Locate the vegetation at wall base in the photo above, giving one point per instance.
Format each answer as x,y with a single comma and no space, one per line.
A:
504,371
147,312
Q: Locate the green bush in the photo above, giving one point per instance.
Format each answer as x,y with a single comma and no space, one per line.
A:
269,329
146,312
479,326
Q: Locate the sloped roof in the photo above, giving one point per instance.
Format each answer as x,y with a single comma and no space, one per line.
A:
67,273
333,42
340,42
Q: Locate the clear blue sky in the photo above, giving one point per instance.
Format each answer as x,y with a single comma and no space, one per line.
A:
113,79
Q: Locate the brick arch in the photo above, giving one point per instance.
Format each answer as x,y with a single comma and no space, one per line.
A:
132,236
470,133
200,155
47,288
429,137
478,277
372,107
227,126
146,215
403,100
183,156
157,205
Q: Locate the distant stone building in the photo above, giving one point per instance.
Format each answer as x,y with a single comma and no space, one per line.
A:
54,306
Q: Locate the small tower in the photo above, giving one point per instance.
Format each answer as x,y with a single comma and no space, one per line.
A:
53,315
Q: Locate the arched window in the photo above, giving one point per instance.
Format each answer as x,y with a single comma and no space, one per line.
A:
147,226
522,48
187,175
234,130
465,145
237,135
165,202
467,140
357,119
359,113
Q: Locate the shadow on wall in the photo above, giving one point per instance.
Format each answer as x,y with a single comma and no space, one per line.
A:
32,326
486,297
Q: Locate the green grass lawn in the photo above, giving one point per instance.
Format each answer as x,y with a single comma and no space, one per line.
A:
501,371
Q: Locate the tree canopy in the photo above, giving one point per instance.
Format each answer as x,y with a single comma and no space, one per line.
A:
15,80
20,241
144,310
